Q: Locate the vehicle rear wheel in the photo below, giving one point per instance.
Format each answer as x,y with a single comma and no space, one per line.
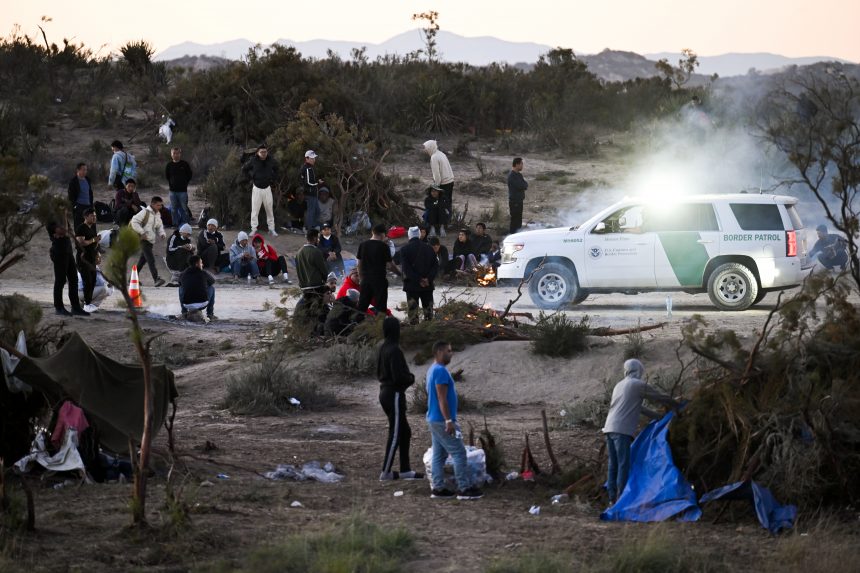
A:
554,286
732,286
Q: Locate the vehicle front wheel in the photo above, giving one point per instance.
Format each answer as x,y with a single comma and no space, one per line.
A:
732,286
554,286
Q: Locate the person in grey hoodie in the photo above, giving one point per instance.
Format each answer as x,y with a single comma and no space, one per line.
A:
243,258
443,176
623,419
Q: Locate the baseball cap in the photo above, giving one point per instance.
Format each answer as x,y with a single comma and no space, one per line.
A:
310,154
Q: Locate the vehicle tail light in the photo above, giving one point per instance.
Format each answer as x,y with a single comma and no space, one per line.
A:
791,243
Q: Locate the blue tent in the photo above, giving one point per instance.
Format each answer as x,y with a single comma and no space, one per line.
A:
773,516
656,490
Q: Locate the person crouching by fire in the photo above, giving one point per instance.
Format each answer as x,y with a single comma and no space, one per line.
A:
623,419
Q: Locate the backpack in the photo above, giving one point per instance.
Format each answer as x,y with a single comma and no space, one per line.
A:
104,213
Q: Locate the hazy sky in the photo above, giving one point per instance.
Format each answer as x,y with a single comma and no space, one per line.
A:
788,27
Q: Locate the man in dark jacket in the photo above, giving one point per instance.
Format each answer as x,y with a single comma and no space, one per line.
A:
127,203
420,266
313,273
63,258
178,175
331,250
464,254
446,265
343,316
832,250
197,289
80,193
87,240
482,243
211,247
434,211
310,184
394,379
517,186
262,170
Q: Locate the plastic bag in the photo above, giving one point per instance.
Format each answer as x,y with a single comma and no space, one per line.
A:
476,461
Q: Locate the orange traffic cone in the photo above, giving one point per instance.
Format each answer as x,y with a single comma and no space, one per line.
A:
134,288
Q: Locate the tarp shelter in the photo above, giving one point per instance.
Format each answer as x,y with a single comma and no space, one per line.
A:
656,490
110,393
773,516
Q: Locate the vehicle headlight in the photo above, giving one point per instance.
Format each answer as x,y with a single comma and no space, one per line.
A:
509,250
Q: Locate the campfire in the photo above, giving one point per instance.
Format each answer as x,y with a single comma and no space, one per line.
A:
485,275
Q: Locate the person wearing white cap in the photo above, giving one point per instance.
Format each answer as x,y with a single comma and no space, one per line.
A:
179,249
310,183
420,267
263,172
243,258
211,247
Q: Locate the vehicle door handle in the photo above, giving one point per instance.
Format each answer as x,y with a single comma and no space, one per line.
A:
704,242
643,243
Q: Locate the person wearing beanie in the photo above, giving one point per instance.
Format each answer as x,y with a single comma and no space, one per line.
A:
623,419
420,267
179,249
243,259
211,247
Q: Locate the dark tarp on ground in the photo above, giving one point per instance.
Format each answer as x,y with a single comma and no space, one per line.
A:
109,392
656,490
772,516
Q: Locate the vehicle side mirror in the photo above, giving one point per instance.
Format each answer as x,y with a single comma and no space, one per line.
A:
600,228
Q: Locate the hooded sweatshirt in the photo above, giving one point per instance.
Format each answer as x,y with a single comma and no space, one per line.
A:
391,367
236,249
264,252
627,397
442,174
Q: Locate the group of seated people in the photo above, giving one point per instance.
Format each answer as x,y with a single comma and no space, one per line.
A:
470,250
297,207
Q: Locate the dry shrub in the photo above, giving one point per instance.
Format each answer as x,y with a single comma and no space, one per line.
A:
558,336
352,359
266,387
782,409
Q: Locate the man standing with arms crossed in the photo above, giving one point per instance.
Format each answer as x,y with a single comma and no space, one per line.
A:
517,186
444,430
263,172
178,174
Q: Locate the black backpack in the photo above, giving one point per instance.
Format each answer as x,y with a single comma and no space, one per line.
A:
104,213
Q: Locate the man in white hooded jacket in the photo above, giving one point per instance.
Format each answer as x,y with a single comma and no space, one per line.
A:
147,224
443,176
623,419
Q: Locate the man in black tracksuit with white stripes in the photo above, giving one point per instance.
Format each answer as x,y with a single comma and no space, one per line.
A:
394,378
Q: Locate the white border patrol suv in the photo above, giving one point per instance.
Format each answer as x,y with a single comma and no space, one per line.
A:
734,247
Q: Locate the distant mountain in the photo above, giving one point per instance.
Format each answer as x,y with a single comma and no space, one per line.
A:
480,51
727,65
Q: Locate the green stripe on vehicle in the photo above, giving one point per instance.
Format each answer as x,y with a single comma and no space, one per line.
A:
687,256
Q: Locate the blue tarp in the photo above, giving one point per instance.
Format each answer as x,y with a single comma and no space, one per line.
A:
656,490
773,516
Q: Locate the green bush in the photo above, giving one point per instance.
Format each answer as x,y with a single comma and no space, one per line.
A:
354,546
266,387
558,336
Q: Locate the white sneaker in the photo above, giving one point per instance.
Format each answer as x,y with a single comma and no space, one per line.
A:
442,232
90,308
287,279
273,232
271,280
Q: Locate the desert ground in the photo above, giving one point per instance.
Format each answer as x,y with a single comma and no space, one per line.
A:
84,528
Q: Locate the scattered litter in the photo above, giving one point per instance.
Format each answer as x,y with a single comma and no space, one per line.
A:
398,493
475,460
64,484
206,483
513,545
528,475
296,504
295,402
560,498
512,476
534,510
222,476
563,413
311,470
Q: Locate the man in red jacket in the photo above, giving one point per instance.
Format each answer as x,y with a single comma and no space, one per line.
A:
268,260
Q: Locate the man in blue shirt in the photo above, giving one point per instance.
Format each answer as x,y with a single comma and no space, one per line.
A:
80,193
446,435
831,249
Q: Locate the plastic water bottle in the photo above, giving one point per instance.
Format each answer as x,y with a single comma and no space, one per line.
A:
249,280
669,306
